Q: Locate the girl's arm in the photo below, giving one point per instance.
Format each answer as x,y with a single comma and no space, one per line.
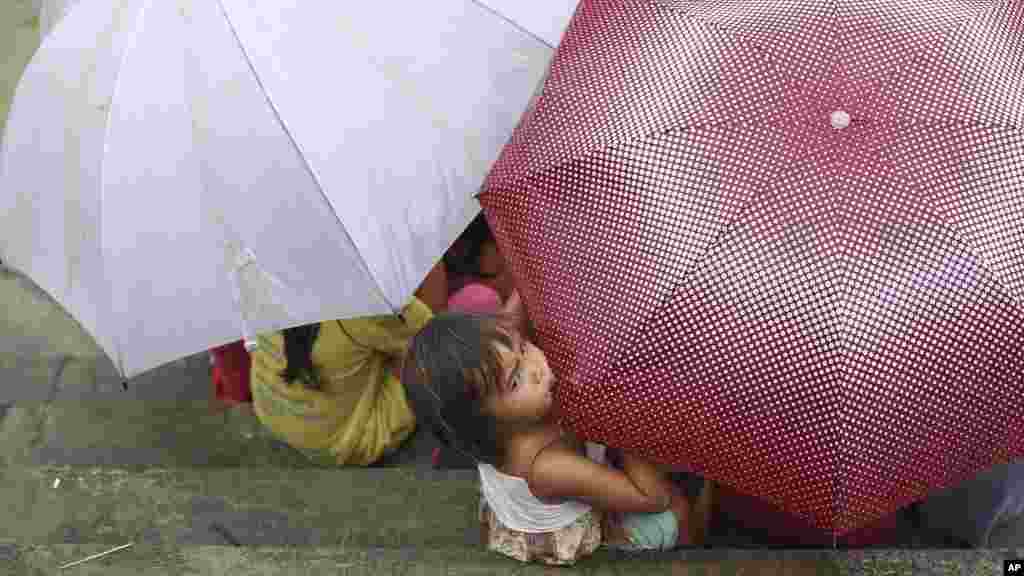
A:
559,472
646,476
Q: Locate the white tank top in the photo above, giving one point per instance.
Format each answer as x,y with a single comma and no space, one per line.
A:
510,499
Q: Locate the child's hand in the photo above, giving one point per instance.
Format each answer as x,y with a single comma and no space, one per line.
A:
648,478
512,312
514,305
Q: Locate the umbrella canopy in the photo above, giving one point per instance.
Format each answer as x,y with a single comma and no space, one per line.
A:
182,174
781,243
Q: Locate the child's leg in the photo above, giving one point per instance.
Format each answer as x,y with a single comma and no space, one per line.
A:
684,522
701,496
638,531
691,518
613,533
702,513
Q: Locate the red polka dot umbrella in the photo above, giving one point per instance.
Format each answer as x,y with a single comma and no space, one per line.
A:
781,244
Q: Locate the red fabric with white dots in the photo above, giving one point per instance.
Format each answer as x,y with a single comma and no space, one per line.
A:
829,318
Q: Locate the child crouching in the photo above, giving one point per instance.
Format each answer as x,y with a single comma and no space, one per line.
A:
489,392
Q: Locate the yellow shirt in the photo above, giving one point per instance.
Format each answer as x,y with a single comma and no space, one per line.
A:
362,413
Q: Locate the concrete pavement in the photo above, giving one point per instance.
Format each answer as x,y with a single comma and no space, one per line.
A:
149,560
40,343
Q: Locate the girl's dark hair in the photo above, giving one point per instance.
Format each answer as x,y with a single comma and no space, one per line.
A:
463,259
451,368
298,352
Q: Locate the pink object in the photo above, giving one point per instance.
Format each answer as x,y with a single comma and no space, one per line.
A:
231,373
475,299
781,243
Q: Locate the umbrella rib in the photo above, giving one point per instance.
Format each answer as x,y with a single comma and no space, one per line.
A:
574,156
115,339
844,324
959,238
719,237
844,357
512,22
305,161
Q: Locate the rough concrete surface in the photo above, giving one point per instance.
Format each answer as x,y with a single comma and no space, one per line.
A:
392,508
924,563
202,560
34,325
145,559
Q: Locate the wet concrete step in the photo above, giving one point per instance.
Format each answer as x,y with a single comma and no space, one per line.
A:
139,433
32,324
383,507
387,508
47,376
149,560
45,355
128,432
366,521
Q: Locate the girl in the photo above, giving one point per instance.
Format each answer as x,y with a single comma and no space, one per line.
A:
488,392
331,391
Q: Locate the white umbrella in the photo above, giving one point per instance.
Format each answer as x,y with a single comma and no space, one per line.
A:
50,12
180,174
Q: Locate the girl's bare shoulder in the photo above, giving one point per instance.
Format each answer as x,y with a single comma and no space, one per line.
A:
522,454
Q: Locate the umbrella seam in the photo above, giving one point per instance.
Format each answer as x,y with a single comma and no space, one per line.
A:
589,149
611,366
963,240
116,340
844,330
584,152
585,149
513,23
305,161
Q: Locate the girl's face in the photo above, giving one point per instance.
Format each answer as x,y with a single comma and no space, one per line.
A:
525,388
